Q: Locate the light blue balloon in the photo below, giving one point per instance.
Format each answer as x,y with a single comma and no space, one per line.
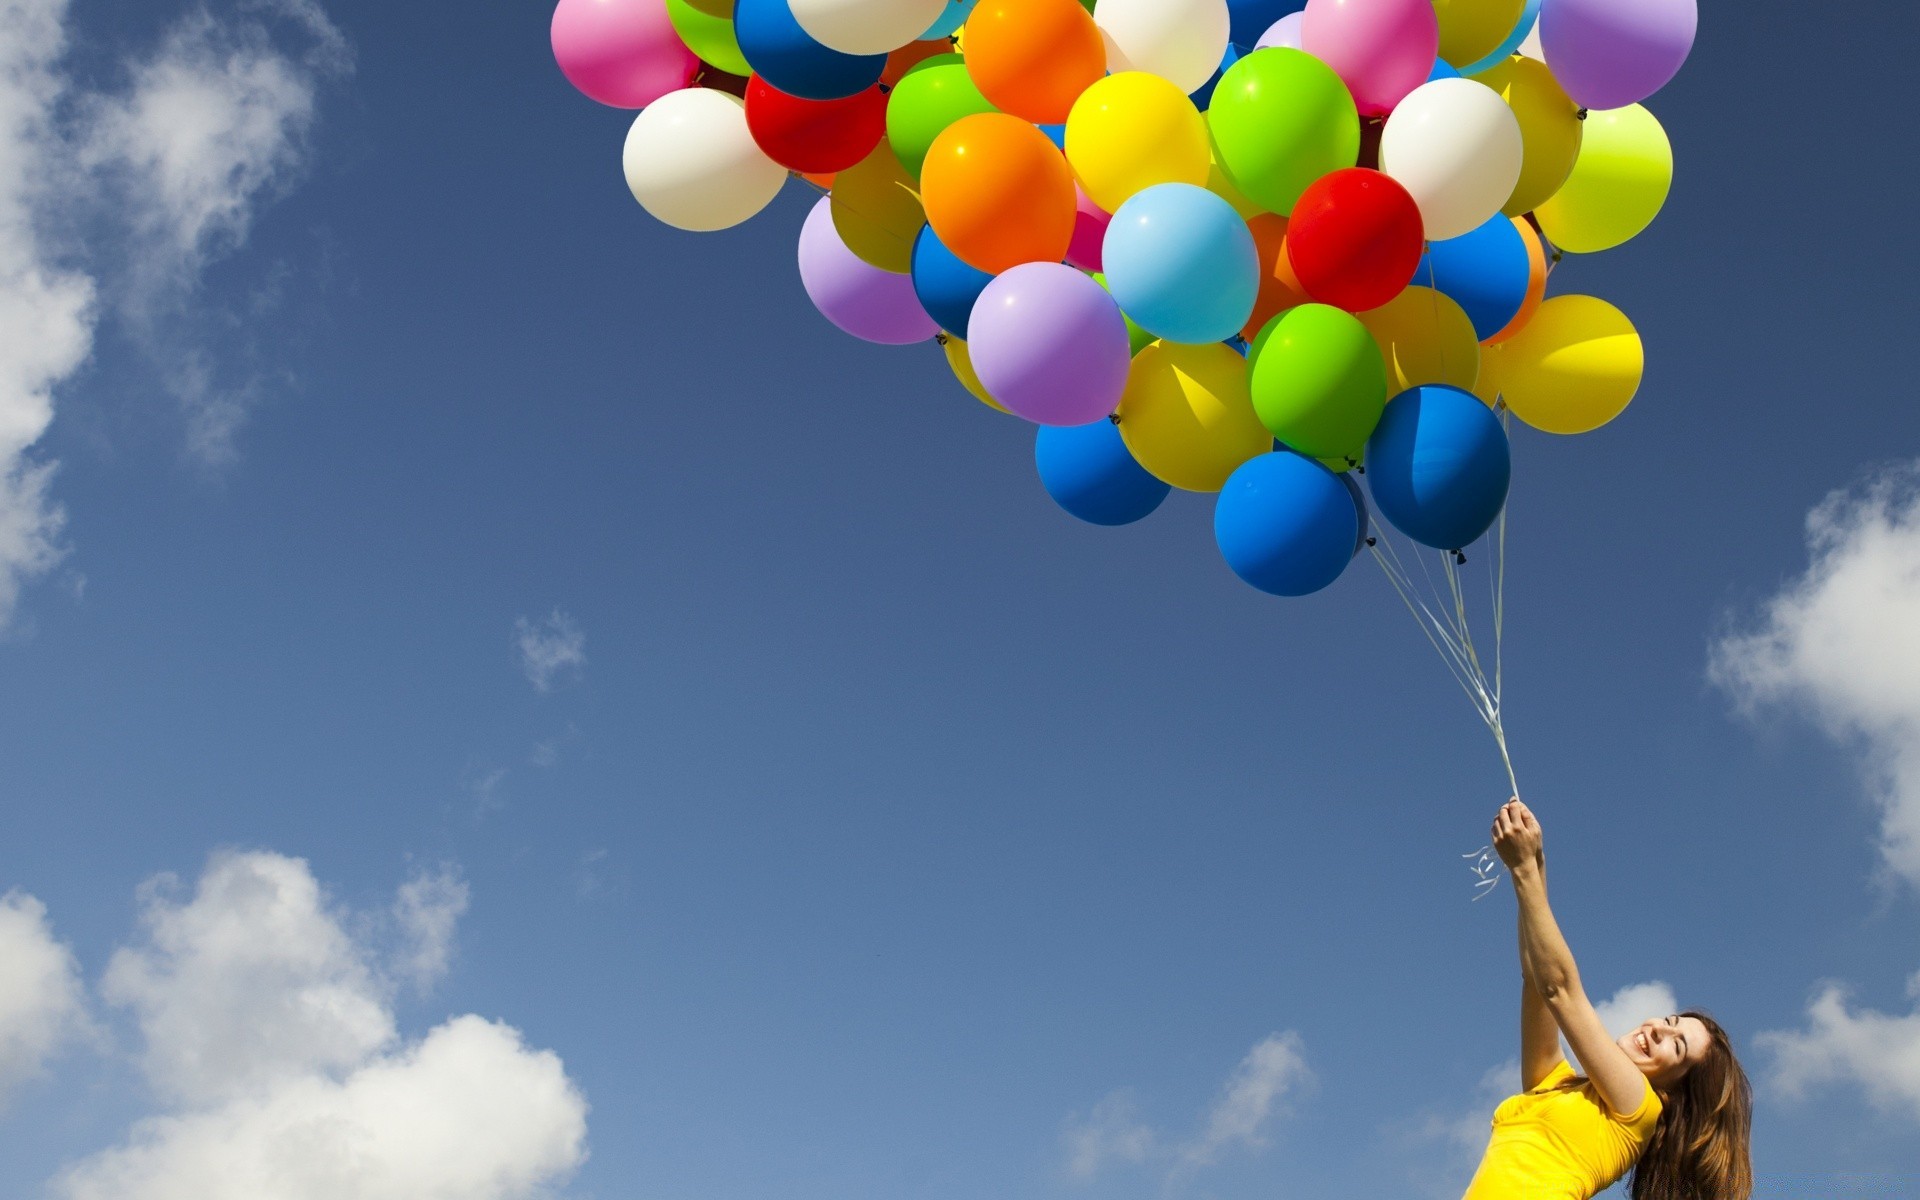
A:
1089,472
1182,264
1511,46
1286,524
1442,69
952,17
1439,465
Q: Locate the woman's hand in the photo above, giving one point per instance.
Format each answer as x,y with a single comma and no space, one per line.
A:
1517,836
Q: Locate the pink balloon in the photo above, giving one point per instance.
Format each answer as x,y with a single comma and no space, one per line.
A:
1383,49
623,53
1089,232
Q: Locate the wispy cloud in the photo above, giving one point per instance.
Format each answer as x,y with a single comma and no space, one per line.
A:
270,1039
166,173
551,651
1875,1051
1114,1133
1841,644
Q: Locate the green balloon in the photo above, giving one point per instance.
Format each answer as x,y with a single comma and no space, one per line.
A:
1281,119
1138,339
933,95
708,36
1318,381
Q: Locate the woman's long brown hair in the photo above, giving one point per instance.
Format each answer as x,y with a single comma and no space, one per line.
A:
1699,1151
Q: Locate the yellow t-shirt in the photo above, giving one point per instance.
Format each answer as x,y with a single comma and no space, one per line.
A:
1555,1143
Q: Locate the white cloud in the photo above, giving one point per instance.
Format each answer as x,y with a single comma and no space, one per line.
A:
167,173
270,1037
1878,1052
554,649
1842,643
41,1002
1113,1132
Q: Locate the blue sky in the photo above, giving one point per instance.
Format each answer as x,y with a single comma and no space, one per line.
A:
875,829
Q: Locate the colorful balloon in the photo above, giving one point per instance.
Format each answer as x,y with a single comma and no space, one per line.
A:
1575,366
1090,223
1487,272
1089,472
1318,381
1618,185
1381,49
871,304
1138,339
1181,41
1131,131
951,18
1252,18
946,287
1537,268
1284,33
866,26
961,364
1439,466
783,54
1281,119
708,36
1286,524
1424,337
1280,288
1470,30
692,163
1182,263
1187,417
1033,58
929,98
998,192
1202,96
1354,239
876,211
1456,146
815,136
622,53
1612,53
1050,345
1550,129
1516,37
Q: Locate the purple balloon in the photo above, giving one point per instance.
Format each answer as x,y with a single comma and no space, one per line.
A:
1050,345
869,303
1284,33
1612,53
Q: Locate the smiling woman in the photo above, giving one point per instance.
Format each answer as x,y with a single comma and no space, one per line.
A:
1667,1101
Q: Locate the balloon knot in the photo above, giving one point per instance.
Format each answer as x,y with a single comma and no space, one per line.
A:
1581,115
1460,558
1373,541
941,337
1114,417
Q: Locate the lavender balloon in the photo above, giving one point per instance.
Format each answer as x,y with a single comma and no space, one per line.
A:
871,304
1612,53
1282,33
1050,345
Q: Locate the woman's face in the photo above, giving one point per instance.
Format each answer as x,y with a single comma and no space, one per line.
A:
1666,1048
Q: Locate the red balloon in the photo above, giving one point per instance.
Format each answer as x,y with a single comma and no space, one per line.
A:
1355,239
815,137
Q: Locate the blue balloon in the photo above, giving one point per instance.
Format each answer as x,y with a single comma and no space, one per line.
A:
1442,69
1057,134
952,17
1512,45
1285,524
1204,97
1182,264
1088,471
780,52
1439,465
1486,272
947,287
1251,18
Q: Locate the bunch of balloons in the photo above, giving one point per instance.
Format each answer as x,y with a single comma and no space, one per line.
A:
1234,246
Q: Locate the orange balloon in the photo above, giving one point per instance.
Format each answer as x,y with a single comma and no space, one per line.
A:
1279,287
823,182
1536,281
1033,58
998,192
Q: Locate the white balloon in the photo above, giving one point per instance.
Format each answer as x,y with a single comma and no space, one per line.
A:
692,163
1182,41
1455,145
866,26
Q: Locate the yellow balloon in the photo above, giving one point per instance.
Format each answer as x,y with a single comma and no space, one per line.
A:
1221,186
1618,185
1550,128
714,8
1187,415
1131,131
877,212
1472,29
1574,367
962,363
1487,387
1425,337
